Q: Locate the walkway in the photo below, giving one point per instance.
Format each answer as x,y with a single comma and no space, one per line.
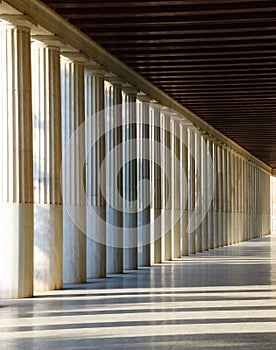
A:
222,299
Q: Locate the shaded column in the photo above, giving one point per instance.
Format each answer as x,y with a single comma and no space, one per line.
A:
73,116
219,196
16,159
224,195
216,193
166,181
176,186
143,180
155,170
95,176
191,192
184,187
47,163
198,191
204,185
210,172
130,177
114,179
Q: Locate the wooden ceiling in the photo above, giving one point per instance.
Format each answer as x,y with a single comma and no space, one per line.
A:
216,57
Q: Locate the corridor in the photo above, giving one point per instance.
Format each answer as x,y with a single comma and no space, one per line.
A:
221,299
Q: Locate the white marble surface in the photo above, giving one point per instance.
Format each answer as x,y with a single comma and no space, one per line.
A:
47,247
221,299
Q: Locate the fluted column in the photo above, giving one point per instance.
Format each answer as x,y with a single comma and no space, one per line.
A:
114,179
219,196
47,164
143,180
16,181
176,186
216,193
73,116
155,170
198,191
191,191
96,232
224,195
184,188
204,185
229,186
166,159
130,177
210,172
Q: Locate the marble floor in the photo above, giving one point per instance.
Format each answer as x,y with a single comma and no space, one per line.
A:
221,299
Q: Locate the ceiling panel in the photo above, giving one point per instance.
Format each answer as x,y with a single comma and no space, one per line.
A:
218,58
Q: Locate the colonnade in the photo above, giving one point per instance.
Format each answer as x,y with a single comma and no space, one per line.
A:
169,189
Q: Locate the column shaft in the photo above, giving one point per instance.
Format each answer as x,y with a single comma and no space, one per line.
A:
16,181
96,232
47,163
73,116
114,179
143,179
130,178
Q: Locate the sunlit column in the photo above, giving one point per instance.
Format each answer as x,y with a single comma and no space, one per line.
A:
176,185
166,181
73,116
130,177
155,170
47,163
16,159
95,179
191,191
143,180
184,187
114,179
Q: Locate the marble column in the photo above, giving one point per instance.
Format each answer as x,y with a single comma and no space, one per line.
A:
48,208
130,177
143,180
210,176
204,185
73,116
114,179
155,170
219,196
176,186
224,194
191,191
16,181
216,194
229,187
184,188
166,160
198,191
95,133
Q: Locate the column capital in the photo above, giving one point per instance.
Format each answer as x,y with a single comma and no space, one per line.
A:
17,20
114,79
74,56
143,97
96,69
129,89
48,40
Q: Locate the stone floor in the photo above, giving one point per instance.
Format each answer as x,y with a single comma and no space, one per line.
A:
222,299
